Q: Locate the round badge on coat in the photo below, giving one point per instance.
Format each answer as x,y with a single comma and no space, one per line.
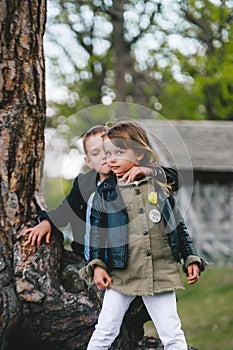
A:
153,197
155,215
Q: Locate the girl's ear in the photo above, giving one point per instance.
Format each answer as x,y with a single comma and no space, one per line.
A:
140,155
88,162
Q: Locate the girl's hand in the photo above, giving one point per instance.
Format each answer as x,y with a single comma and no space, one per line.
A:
101,278
37,232
193,273
136,172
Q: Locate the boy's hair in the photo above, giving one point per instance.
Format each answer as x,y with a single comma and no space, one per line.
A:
127,134
95,130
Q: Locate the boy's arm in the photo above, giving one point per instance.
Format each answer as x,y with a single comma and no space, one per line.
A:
170,176
60,216
51,220
173,177
162,174
36,233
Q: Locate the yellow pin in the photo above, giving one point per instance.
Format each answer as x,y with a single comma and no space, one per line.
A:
153,197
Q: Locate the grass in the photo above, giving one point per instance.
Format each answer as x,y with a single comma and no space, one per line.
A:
206,310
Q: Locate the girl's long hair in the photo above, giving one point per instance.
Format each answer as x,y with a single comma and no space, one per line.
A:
130,135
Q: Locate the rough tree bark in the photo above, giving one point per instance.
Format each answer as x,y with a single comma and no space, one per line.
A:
32,296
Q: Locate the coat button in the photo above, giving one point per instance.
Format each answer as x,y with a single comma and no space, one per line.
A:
148,253
141,211
138,192
145,232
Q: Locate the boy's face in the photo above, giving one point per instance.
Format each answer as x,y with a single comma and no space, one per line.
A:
95,156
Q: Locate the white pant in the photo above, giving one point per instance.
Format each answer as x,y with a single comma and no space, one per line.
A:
162,310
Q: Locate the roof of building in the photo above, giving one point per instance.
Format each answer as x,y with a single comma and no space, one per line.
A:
200,145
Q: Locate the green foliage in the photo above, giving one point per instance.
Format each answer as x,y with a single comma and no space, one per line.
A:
55,190
217,88
209,315
211,67
206,310
179,102
173,55
71,128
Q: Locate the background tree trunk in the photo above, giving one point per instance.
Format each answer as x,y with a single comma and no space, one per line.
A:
124,65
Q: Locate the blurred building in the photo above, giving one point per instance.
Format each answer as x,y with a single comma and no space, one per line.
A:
202,151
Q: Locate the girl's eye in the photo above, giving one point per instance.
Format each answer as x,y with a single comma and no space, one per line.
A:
107,154
119,153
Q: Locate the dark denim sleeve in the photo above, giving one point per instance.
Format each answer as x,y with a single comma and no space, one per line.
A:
173,177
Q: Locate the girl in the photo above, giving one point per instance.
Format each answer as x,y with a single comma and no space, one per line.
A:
138,237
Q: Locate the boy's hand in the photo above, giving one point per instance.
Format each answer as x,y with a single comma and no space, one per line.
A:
101,278
136,172
193,273
37,232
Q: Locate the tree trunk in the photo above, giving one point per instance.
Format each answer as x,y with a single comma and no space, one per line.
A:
124,63
22,117
32,296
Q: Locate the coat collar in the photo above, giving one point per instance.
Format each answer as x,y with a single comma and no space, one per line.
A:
161,192
112,181
109,183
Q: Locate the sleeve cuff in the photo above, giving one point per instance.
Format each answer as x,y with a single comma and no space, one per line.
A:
193,259
87,272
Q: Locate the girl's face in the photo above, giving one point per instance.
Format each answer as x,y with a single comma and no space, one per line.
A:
120,160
